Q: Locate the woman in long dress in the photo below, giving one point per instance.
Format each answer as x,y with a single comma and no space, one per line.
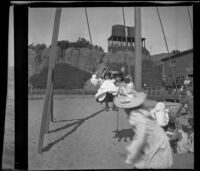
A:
150,147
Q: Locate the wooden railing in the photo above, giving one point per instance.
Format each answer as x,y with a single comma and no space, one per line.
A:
159,93
155,93
58,91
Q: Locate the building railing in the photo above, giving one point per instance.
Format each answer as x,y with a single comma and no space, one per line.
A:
160,93
57,91
155,93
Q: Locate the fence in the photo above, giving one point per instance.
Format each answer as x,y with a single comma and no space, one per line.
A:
159,93
58,91
156,93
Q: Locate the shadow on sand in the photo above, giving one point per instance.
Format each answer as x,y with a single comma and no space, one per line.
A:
77,124
124,134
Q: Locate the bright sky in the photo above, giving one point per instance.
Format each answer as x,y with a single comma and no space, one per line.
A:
73,25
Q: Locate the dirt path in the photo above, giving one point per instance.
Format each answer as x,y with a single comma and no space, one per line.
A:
82,137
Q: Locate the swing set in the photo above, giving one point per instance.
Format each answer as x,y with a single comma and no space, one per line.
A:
47,115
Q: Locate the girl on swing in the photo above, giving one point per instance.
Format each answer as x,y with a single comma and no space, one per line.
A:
118,79
109,86
110,82
108,95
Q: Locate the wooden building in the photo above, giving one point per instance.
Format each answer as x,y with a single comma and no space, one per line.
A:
179,64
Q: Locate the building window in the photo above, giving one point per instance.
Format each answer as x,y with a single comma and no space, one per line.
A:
172,63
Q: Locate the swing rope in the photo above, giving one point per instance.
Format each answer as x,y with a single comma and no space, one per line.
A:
125,63
90,37
129,72
169,56
190,18
117,121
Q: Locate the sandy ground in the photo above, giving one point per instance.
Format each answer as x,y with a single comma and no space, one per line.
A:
83,137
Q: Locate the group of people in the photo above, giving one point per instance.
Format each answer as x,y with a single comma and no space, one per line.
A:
178,85
109,83
184,122
154,134
184,119
150,147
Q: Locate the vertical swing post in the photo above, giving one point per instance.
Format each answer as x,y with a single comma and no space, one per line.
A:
48,101
138,50
126,39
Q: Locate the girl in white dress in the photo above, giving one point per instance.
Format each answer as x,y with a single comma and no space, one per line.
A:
150,147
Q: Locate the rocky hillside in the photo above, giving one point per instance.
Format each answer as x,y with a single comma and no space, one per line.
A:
75,60
78,57
82,57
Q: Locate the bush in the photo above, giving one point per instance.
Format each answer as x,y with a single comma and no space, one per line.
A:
65,77
89,87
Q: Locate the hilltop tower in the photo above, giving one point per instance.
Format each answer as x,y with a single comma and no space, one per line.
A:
117,40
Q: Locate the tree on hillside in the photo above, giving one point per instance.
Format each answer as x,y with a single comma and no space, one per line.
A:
45,53
100,48
174,52
77,54
38,48
63,44
31,46
82,43
32,62
31,57
59,55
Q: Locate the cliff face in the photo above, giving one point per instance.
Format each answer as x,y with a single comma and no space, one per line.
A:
33,66
81,58
78,57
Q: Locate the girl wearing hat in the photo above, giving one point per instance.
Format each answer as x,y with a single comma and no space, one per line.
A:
150,147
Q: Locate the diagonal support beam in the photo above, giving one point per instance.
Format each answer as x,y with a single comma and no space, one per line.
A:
48,101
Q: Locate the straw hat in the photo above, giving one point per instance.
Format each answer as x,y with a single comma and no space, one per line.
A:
129,98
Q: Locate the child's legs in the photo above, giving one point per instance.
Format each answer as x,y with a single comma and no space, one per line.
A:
107,100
